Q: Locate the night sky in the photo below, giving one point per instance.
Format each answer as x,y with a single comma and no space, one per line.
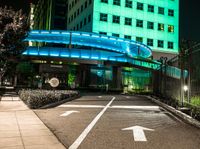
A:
189,15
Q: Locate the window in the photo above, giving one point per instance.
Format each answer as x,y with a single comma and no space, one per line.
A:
161,27
150,25
81,8
89,18
81,24
85,4
104,1
116,2
150,8
171,12
161,10
127,37
150,42
160,43
128,21
103,33
78,12
129,3
170,45
140,6
74,15
139,39
116,19
90,1
85,21
103,17
139,23
77,27
115,35
170,28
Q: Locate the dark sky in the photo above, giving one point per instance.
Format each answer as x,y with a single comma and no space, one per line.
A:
189,15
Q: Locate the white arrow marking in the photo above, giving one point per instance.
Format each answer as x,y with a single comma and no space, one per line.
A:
69,112
138,132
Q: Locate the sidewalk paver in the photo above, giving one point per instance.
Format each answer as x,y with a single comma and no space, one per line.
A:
20,128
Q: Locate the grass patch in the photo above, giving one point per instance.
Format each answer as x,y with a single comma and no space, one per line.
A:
195,100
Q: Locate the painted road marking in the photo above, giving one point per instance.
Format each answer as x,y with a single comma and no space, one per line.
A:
80,139
138,133
81,106
114,107
68,113
135,107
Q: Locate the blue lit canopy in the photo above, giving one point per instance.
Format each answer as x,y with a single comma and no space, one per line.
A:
129,47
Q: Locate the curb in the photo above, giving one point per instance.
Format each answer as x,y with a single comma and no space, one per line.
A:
183,116
51,105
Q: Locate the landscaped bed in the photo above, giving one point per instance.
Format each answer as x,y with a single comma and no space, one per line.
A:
40,98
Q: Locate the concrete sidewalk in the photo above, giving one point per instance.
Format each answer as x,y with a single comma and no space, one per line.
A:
20,128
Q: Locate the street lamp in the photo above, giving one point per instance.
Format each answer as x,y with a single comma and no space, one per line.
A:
185,88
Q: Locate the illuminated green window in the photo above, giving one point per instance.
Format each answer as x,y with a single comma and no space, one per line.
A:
150,25
127,37
129,3
140,6
103,17
170,28
128,21
150,8
160,43
115,35
103,33
171,12
116,2
161,10
149,42
161,27
139,23
170,45
116,19
139,39
104,1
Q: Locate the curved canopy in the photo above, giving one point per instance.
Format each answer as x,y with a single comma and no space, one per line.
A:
128,47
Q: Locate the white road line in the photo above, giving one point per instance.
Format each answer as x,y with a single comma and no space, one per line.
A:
81,106
135,107
113,107
80,139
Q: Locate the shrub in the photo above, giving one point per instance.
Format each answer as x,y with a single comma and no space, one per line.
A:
38,98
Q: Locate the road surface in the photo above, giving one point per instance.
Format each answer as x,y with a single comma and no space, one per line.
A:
118,122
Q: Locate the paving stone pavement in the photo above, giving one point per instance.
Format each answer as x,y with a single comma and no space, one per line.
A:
20,128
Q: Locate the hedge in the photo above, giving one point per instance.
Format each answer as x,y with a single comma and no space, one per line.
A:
39,98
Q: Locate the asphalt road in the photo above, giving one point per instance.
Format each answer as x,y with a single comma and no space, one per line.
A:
97,122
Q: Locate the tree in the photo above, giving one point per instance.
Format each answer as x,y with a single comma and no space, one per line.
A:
13,29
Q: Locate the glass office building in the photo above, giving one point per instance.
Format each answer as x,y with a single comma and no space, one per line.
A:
152,22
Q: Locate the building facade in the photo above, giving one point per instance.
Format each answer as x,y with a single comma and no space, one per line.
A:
155,23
